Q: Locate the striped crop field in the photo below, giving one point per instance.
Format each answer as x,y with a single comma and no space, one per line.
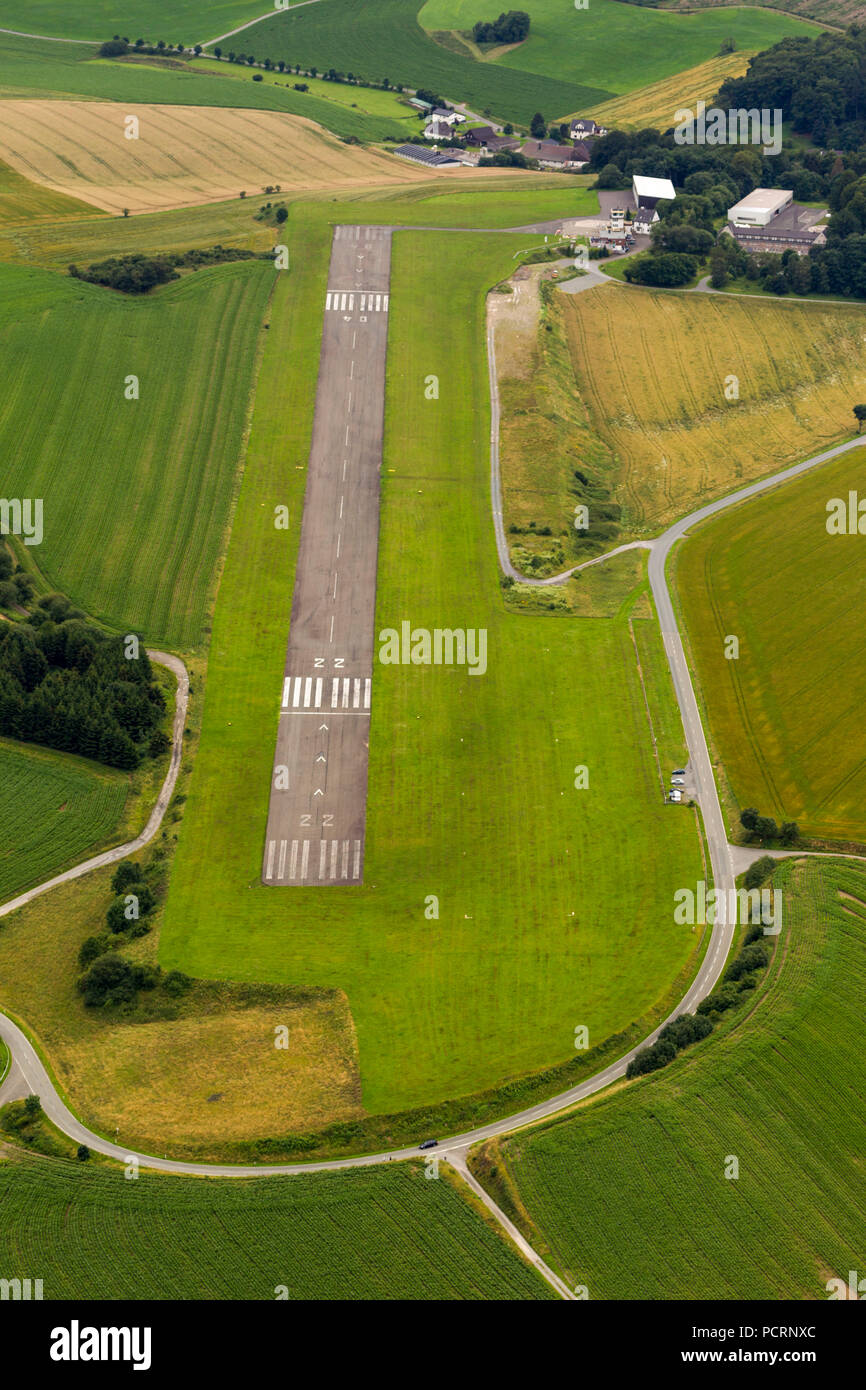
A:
785,716
695,394
620,47
629,1197
187,21
180,155
136,492
53,809
377,1233
657,104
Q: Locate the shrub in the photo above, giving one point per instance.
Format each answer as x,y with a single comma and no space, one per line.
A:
176,983
651,1058
759,872
753,957
91,948
127,872
685,1030
109,980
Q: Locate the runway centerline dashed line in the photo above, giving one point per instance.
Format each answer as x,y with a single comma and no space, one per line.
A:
317,815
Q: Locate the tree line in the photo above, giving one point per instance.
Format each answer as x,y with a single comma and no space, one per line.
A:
136,274
512,27
67,685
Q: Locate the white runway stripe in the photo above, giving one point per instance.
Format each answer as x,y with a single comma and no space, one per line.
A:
308,683
357,865
287,685
269,871
293,862
318,697
357,694
281,868
345,864
323,855
335,691
297,695
333,859
305,856
345,693
367,687
385,302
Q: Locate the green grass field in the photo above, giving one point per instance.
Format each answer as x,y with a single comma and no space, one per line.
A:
175,21
24,202
629,1196
33,68
53,809
620,47
136,492
460,778
489,202
375,1234
785,716
385,115
383,38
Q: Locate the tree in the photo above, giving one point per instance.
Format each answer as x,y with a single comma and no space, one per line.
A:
766,828
860,415
789,832
282,214
82,1153
32,1107
759,872
126,873
749,818
538,126
126,212
197,50
609,177
217,53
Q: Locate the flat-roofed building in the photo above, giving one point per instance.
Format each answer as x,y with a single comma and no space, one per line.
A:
760,207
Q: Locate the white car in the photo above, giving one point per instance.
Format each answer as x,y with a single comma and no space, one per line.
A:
675,796
678,781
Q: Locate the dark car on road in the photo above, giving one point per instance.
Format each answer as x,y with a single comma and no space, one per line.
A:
429,1144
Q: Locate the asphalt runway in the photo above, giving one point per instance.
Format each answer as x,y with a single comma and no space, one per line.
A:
318,798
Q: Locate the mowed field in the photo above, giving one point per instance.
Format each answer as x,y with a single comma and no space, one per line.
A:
786,716
654,367
25,202
199,1077
384,1233
629,1196
383,38
136,492
181,156
657,104
175,21
37,68
492,198
53,809
464,773
620,47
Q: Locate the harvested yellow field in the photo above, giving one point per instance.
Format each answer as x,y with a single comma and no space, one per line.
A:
188,1082
697,393
182,155
657,104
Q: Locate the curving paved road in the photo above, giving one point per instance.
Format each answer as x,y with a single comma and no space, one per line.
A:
111,856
